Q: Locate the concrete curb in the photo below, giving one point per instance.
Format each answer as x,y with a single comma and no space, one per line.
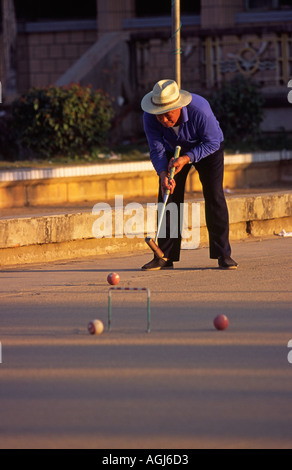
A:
68,236
65,185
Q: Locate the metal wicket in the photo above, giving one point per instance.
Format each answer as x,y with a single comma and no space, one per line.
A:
135,289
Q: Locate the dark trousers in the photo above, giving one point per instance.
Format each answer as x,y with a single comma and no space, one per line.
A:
210,170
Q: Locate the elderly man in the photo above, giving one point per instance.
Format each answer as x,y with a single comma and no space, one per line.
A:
175,117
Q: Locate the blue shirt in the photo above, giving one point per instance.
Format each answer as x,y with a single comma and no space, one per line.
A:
199,134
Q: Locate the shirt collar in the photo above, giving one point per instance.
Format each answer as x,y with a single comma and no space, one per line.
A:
185,116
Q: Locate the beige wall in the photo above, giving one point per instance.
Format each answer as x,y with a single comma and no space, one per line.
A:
220,13
112,12
44,56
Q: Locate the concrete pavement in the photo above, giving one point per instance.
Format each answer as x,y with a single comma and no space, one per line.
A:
183,386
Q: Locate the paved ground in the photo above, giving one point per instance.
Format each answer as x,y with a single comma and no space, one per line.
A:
183,386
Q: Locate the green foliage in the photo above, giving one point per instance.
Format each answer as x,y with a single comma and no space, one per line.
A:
8,148
238,106
62,120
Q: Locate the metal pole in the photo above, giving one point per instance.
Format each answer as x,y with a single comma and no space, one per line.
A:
109,310
148,312
176,44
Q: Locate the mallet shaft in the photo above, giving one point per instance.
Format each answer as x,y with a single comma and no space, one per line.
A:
153,243
167,193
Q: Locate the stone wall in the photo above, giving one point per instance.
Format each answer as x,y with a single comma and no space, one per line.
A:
47,50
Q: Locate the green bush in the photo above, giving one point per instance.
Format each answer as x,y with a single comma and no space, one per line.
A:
8,147
62,120
238,106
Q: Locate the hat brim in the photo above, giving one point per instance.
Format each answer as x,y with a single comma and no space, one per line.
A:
147,105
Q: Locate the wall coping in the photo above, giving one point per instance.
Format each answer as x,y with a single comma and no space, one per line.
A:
263,16
159,22
55,26
149,22
100,169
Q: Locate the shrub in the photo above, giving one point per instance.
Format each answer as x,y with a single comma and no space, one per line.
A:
238,106
8,147
62,120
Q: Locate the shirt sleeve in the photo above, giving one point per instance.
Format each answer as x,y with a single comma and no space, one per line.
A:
210,138
156,143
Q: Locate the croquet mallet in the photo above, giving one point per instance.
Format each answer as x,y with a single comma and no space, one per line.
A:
153,243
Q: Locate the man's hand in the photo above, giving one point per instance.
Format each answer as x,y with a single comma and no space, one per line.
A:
179,163
165,184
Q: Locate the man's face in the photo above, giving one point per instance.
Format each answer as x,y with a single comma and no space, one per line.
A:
169,119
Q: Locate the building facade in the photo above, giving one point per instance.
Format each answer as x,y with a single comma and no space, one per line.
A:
218,41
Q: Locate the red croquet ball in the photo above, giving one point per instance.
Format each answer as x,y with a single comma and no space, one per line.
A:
221,322
113,279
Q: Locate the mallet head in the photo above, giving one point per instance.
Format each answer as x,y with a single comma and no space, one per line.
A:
156,250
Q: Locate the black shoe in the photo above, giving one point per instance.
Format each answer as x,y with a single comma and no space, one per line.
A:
157,263
225,262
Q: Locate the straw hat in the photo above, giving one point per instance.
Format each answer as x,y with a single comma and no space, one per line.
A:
165,97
